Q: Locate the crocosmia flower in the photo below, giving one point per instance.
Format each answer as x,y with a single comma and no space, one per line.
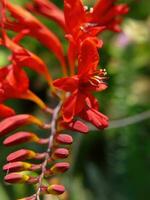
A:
88,79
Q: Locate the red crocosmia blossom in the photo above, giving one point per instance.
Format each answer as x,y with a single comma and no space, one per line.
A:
5,111
24,20
48,9
25,58
13,82
80,86
106,13
90,22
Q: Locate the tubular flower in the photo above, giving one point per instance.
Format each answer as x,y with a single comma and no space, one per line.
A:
73,87
90,22
14,82
80,86
24,57
25,21
48,9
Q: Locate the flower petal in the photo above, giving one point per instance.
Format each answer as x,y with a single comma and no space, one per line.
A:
25,20
69,107
25,58
74,10
48,9
6,111
67,84
88,57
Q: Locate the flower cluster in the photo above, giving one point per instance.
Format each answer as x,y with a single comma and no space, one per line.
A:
81,78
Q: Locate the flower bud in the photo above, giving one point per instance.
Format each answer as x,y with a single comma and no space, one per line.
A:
20,137
17,166
14,122
20,155
60,167
64,139
55,189
16,178
78,126
60,153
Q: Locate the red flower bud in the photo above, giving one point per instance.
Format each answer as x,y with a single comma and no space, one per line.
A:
16,178
64,139
17,166
20,155
60,167
55,189
20,137
16,121
60,153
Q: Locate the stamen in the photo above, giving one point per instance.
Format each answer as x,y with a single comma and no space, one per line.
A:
91,10
86,8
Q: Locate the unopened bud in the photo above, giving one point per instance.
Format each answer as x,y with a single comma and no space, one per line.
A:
60,167
20,137
20,155
16,178
55,189
64,139
17,166
60,153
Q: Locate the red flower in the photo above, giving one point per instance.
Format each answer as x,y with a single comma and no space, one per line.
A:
104,13
13,82
85,23
24,20
24,57
80,86
48,9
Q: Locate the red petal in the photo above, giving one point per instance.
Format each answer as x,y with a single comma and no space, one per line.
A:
78,126
72,55
69,107
67,84
25,58
74,10
14,82
96,118
6,111
88,57
101,8
36,28
106,14
48,9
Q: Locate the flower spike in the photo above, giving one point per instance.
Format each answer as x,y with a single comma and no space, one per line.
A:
73,102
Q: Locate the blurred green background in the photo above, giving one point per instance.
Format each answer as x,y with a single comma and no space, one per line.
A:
113,164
